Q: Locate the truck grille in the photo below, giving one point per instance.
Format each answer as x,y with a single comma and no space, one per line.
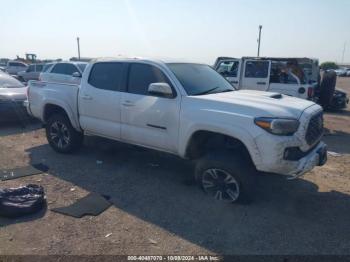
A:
315,129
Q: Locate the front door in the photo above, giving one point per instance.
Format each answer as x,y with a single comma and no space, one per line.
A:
149,120
256,75
99,100
230,69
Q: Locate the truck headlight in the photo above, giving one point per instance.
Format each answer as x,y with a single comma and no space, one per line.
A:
278,126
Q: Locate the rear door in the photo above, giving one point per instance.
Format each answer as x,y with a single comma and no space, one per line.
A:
149,120
99,99
63,73
256,74
230,69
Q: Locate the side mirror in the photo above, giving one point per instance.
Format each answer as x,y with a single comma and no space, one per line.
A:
160,89
76,74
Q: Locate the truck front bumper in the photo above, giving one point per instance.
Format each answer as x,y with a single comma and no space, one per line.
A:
317,157
293,168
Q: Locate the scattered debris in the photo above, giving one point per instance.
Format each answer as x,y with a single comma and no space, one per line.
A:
153,241
108,235
335,154
72,189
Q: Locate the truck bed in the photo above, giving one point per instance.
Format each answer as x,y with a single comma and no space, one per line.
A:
41,94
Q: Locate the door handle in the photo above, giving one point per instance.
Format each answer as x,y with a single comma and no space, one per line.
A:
261,83
234,82
128,103
86,97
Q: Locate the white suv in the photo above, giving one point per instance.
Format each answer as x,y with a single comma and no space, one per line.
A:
63,72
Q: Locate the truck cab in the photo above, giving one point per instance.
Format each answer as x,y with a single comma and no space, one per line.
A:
282,75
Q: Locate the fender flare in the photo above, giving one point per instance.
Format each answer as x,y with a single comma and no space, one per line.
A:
69,111
238,133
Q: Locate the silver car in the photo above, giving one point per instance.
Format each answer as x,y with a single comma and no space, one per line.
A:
32,73
12,94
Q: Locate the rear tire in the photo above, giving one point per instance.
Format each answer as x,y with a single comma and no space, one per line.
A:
61,135
327,89
227,177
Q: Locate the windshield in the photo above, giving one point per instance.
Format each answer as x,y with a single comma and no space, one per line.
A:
47,67
198,79
82,67
7,81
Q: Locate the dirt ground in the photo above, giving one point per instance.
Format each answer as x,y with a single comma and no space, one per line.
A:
157,209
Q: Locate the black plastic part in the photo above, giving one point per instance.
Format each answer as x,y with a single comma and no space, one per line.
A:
14,173
17,202
93,204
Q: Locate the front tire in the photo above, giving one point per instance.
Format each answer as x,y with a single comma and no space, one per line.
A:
61,135
226,177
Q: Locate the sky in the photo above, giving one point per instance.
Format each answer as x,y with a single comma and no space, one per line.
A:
196,30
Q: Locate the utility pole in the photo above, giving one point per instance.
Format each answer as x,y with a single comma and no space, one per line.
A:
342,59
259,39
78,48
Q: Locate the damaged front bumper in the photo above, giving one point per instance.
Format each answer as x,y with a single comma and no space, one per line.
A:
317,157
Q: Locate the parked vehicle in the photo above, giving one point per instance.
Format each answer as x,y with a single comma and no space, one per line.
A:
12,94
188,110
63,72
282,75
13,67
31,73
342,71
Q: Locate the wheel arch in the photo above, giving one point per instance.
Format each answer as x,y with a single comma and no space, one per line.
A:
202,140
51,108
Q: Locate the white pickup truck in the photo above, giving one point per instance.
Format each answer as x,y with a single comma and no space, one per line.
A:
188,110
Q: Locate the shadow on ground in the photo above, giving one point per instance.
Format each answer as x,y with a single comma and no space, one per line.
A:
337,141
12,126
9,221
287,217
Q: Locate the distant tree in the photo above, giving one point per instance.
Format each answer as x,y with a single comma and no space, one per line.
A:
328,66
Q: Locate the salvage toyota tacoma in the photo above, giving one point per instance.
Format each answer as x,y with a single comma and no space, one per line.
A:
189,110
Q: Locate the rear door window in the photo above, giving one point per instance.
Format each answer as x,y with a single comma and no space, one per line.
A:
31,68
39,68
107,76
257,69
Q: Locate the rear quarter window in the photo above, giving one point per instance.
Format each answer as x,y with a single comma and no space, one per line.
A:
107,76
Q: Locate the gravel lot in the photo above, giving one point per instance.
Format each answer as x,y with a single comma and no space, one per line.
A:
158,210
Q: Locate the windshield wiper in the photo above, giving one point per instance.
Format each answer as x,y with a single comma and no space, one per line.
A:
208,91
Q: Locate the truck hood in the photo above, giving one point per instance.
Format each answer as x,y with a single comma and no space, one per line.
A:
255,103
13,93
